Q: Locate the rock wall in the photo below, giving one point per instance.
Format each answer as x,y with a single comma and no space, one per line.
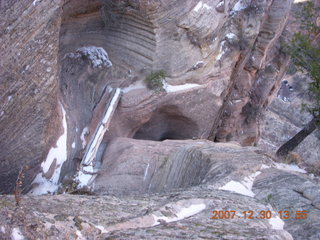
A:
30,118
222,61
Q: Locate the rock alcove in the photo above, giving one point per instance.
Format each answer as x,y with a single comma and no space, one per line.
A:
167,123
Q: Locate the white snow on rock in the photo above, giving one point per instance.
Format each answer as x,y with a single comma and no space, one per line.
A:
73,145
175,88
87,173
16,234
146,172
201,5
55,158
132,87
221,51
289,167
276,222
248,181
240,5
237,187
179,213
85,132
34,3
220,4
96,55
101,228
3,230
231,35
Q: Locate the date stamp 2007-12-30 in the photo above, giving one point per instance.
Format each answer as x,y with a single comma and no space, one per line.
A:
264,214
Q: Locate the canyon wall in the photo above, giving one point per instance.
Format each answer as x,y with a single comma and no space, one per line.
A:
222,60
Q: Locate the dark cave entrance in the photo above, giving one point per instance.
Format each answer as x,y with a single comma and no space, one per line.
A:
167,123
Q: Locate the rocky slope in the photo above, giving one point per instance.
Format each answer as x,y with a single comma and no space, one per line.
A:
164,205
77,117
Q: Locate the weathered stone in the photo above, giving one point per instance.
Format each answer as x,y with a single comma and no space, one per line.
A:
29,117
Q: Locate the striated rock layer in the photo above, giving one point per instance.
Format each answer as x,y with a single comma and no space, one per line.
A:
222,62
30,117
213,177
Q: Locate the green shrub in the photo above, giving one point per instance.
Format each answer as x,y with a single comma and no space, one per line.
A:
154,80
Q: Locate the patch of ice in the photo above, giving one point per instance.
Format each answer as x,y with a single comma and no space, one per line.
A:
133,87
146,172
85,176
221,51
16,234
263,166
73,145
9,98
276,222
201,5
58,153
176,88
85,132
35,2
3,230
231,35
44,186
101,228
240,5
57,156
183,213
289,167
248,181
299,1
79,235
237,187
220,4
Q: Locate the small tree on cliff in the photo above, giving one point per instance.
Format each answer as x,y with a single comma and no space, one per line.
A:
305,54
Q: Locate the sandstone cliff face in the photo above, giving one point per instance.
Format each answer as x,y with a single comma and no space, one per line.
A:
30,118
222,62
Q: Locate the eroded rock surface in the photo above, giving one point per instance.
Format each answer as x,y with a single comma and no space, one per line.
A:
236,179
30,116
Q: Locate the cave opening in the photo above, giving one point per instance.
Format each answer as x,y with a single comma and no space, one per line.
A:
167,123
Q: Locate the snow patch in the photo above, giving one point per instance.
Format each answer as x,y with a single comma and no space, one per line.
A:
57,156
276,222
201,5
183,213
84,133
87,174
176,88
237,187
221,51
289,167
73,145
146,172
231,35
79,235
132,87
220,4
43,186
244,187
101,228
240,5
248,181
96,55
16,234
34,3
3,230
